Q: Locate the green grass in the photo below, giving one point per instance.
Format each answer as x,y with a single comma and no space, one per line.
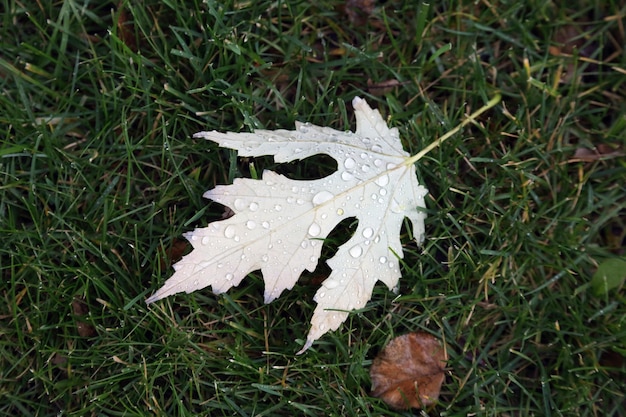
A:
99,173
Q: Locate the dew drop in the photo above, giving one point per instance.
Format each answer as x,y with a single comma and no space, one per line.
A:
331,283
315,229
266,225
265,258
206,240
363,155
346,176
356,251
229,232
321,295
365,167
253,206
240,204
304,244
368,232
340,212
291,200
382,180
322,197
229,277
278,207
349,163
383,260
378,162
194,237
299,201
382,191
377,148
250,224
220,265
391,165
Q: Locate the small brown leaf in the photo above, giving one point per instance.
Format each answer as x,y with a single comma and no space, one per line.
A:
125,27
408,373
80,309
602,151
358,11
173,254
383,87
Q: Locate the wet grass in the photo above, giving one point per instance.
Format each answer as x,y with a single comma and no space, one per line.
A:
100,176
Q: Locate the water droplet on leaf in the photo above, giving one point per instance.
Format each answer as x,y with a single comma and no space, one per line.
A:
240,204
356,251
346,176
229,232
315,229
383,180
331,283
322,197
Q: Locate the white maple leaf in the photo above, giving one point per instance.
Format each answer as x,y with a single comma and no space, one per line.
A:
279,223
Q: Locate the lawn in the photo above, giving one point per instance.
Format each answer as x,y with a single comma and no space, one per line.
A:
100,177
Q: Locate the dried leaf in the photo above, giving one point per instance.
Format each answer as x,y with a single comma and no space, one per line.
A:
383,87
358,11
79,307
571,41
567,39
601,151
126,28
409,372
174,253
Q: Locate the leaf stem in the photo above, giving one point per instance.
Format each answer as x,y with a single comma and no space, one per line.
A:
413,159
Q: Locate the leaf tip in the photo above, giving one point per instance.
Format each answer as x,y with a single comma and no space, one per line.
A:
307,345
